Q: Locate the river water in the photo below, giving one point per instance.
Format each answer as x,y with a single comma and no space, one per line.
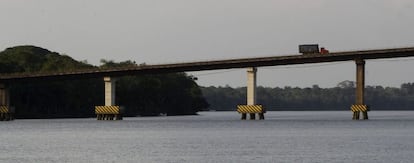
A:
306,136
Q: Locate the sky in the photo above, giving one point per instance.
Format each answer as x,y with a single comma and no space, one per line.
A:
171,31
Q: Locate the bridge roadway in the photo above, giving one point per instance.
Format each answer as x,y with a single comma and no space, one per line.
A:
214,65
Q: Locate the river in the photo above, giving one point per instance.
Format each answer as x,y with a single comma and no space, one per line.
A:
303,136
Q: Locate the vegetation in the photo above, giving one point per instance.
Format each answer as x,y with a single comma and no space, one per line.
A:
315,98
171,94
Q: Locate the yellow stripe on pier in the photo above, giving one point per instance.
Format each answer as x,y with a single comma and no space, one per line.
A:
107,110
250,109
360,108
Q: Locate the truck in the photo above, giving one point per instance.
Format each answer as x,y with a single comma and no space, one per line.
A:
312,49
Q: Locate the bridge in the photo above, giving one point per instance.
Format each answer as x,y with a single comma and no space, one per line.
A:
109,76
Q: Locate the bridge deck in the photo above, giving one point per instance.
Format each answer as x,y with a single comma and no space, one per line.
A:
214,65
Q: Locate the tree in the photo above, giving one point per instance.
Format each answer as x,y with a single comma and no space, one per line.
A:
346,84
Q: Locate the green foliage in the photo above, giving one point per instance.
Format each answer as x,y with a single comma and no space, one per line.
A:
172,94
36,59
315,98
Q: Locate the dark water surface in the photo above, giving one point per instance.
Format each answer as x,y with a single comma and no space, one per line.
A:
305,136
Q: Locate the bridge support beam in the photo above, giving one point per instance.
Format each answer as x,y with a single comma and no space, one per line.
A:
251,93
110,111
251,85
4,95
360,91
251,89
6,112
109,91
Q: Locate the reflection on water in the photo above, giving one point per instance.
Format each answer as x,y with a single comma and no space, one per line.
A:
214,137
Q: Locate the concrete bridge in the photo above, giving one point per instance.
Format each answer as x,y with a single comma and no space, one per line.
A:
111,111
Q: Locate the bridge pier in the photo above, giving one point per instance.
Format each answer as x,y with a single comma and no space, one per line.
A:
251,85
251,108
109,91
4,95
110,111
6,112
359,105
251,89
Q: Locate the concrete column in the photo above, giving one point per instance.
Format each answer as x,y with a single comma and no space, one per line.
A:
360,88
360,82
251,86
4,95
109,91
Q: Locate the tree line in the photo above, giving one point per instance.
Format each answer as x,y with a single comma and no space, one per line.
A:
169,94
340,97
